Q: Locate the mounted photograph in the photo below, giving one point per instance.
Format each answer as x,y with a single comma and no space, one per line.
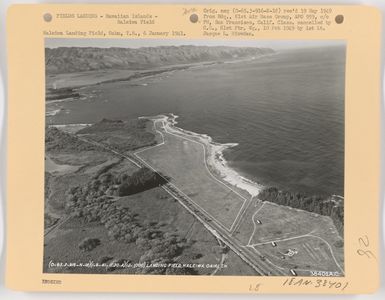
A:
194,157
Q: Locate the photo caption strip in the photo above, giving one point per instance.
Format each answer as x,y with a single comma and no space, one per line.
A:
241,22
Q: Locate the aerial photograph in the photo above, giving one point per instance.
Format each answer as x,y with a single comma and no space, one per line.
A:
194,157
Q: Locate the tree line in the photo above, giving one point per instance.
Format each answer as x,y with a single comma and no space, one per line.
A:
139,181
331,206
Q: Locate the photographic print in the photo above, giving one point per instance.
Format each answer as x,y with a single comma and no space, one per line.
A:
194,157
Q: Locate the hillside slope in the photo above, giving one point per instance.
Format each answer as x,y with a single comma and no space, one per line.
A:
78,59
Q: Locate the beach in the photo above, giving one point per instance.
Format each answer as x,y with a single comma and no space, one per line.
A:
290,138
215,160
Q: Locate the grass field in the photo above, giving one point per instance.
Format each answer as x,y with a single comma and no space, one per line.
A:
302,240
302,254
281,222
183,161
246,227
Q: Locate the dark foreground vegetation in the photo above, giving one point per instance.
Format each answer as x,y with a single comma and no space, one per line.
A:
332,206
58,141
139,181
121,135
95,203
97,200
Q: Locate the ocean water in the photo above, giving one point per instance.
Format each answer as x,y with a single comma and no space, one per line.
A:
285,112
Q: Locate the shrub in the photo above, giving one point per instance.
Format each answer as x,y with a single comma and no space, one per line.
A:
89,244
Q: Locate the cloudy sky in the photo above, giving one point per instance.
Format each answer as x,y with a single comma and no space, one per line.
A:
137,43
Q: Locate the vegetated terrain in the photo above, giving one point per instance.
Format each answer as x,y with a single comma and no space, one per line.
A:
303,241
261,223
183,161
120,135
303,254
78,59
332,206
106,210
57,141
71,67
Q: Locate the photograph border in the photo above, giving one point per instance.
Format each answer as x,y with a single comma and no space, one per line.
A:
362,158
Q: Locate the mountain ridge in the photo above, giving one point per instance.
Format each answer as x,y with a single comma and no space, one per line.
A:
78,59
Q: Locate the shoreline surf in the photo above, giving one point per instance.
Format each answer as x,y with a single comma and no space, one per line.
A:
215,159
214,155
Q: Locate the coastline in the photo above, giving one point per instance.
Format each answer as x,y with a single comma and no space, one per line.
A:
214,152
215,159
66,87
85,79
214,155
